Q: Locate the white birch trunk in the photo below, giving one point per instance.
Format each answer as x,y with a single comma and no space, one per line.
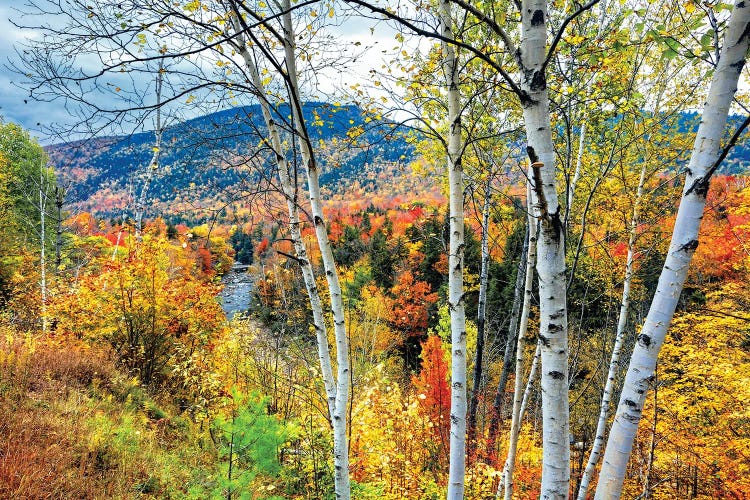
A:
481,315
153,165
614,362
295,231
340,444
42,255
507,475
336,407
524,264
59,200
582,137
457,467
516,416
684,242
530,382
553,330
512,343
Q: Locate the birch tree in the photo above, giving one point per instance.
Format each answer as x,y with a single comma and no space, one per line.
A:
340,446
481,315
518,395
532,58
550,267
204,45
291,194
614,362
337,389
153,165
455,261
705,159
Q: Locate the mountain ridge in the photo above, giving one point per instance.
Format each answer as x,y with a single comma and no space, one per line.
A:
213,152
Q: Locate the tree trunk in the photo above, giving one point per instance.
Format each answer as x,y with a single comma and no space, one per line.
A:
481,318
457,465
513,337
518,395
42,255
553,330
324,357
511,345
684,242
153,165
652,445
582,137
614,362
530,381
339,422
59,201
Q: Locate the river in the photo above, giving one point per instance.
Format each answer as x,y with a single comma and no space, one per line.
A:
236,295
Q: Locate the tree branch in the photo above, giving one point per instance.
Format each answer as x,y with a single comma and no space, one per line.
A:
702,182
561,31
431,34
509,45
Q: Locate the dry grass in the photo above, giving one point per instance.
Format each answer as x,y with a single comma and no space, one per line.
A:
51,399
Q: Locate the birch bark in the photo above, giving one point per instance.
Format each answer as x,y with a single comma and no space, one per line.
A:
553,331
517,416
457,465
481,316
153,165
614,362
511,345
682,246
295,231
582,137
339,422
336,398
43,244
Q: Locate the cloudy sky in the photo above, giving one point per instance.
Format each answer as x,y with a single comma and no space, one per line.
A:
12,105
16,106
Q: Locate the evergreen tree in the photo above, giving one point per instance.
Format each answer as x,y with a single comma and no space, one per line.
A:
243,247
382,261
171,231
350,248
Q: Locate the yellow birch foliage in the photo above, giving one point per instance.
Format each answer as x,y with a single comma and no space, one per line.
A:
703,404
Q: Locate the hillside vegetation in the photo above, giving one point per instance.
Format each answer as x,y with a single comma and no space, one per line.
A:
493,249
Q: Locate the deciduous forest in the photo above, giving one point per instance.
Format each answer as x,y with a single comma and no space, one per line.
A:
334,249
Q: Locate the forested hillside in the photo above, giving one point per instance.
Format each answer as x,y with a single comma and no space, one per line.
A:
209,162
508,260
201,161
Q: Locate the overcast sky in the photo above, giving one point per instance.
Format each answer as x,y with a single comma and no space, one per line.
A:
12,105
16,106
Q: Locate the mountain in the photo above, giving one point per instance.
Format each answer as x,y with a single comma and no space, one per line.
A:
204,161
